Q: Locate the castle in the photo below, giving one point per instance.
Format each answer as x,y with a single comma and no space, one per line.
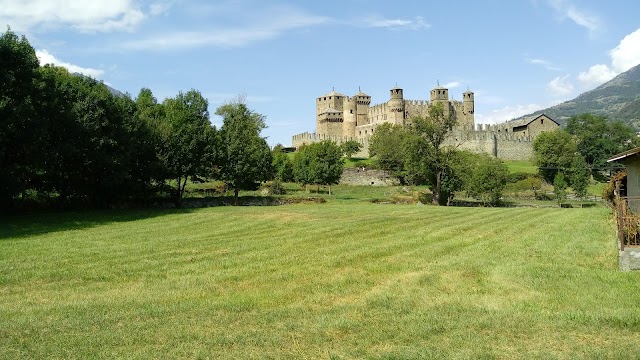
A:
341,118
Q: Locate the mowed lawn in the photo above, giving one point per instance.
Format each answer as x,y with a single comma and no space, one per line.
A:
316,281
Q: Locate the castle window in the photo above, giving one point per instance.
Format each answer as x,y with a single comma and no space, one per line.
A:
351,111
541,121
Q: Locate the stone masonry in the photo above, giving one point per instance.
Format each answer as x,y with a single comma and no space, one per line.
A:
341,118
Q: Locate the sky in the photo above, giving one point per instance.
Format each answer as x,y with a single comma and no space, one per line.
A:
516,56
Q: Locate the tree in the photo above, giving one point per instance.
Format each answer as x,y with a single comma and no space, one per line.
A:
282,165
489,178
579,176
188,140
327,163
426,159
386,145
20,130
245,157
350,147
560,187
598,139
319,163
553,151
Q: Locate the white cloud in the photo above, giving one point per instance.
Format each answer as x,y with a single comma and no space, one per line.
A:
544,63
596,75
627,54
452,85
272,24
46,58
623,57
416,23
506,113
88,16
564,9
560,86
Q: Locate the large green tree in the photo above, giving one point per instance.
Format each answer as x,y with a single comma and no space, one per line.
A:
189,139
319,163
554,151
244,157
598,138
427,159
20,125
387,145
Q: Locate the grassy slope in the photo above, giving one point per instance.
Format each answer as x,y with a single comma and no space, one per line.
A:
524,166
314,281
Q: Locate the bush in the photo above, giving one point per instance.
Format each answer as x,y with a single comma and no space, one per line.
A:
275,188
519,176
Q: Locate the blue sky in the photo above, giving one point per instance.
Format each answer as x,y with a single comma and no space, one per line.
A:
517,56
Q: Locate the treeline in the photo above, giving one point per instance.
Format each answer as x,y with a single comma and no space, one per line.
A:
571,156
67,141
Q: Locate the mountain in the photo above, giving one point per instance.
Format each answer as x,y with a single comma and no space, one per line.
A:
617,99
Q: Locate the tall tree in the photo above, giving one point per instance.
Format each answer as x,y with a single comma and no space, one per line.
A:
427,159
245,157
326,163
189,139
20,126
386,146
282,165
554,151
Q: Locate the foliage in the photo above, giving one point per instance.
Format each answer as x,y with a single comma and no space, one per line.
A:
554,151
245,157
489,179
579,176
560,187
319,163
426,160
387,145
350,147
598,139
188,139
21,127
282,165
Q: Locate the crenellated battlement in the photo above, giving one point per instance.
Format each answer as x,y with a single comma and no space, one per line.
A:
341,118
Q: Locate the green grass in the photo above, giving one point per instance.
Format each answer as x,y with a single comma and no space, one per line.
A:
340,280
524,166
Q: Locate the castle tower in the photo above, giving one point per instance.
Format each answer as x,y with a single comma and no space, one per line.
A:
396,107
329,117
350,117
468,110
440,94
362,108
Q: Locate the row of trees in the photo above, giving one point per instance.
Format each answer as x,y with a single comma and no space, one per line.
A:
570,156
65,139
416,155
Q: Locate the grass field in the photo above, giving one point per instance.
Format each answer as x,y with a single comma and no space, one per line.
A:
524,166
336,280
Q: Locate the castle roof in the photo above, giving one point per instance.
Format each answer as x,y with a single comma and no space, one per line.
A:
526,121
334,93
360,93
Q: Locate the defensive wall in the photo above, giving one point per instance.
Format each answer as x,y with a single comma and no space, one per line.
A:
485,138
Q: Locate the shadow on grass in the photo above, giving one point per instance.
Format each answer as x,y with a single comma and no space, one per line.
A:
23,225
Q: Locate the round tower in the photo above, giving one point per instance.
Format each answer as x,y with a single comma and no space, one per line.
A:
396,107
467,101
350,117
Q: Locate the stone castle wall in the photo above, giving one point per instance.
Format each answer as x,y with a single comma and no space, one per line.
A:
483,139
